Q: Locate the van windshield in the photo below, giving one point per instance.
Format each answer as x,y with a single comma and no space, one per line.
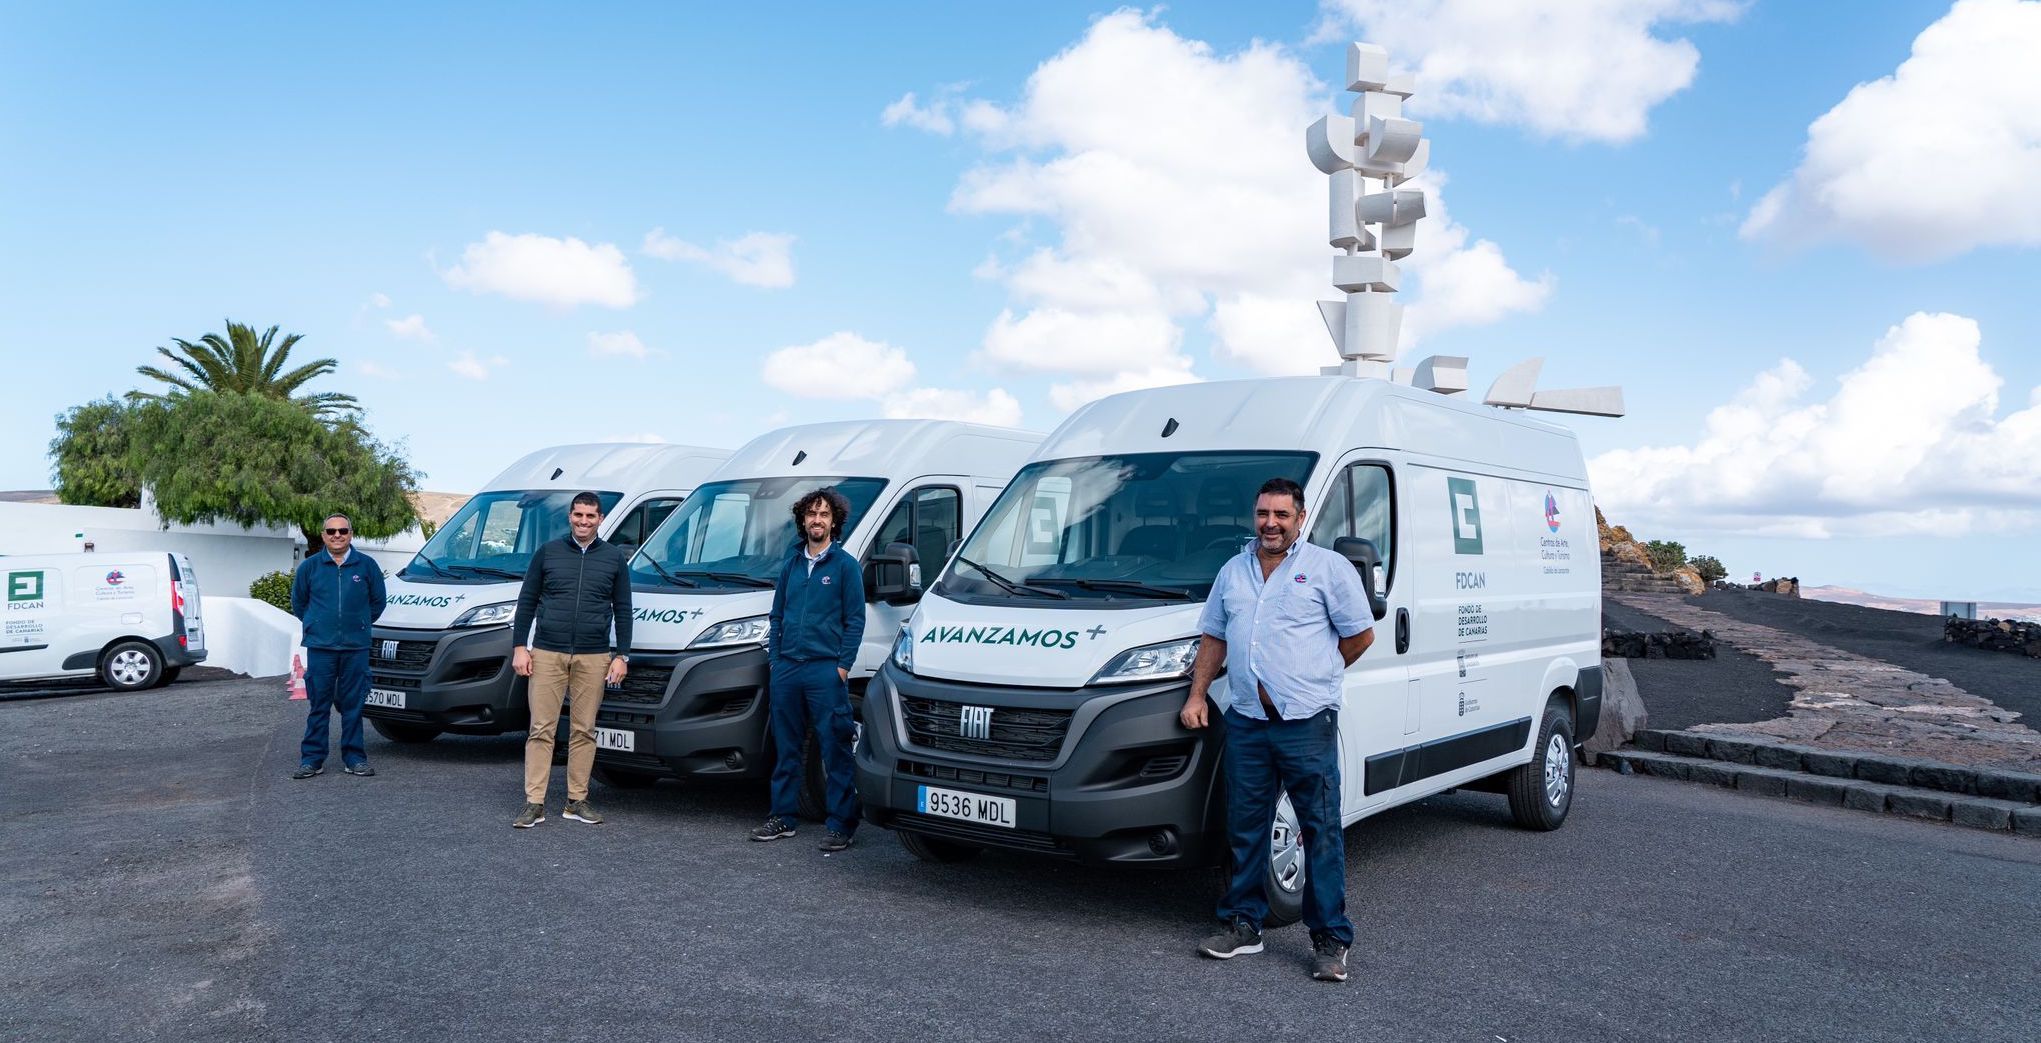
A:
1141,527
492,537
734,535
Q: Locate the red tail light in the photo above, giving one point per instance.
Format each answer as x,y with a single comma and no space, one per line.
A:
176,599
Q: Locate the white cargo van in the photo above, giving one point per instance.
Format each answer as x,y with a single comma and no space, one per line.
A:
132,618
694,702
1032,701
439,658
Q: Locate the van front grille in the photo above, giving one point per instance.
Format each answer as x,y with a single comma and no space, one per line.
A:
1012,734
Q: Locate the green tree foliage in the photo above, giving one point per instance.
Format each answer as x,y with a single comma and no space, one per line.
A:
1709,568
255,460
249,363
1666,555
90,459
274,587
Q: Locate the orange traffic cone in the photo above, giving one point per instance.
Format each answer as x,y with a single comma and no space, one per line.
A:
297,685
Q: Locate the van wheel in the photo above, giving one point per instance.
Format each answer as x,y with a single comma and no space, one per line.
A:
936,849
1282,878
624,778
398,731
130,666
1541,792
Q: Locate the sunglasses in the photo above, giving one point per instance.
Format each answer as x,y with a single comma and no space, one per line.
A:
338,532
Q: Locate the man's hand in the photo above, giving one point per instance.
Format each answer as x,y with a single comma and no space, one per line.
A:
843,675
617,669
1196,712
521,661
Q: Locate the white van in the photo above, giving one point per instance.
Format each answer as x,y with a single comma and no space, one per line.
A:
694,702
1032,701
439,658
132,618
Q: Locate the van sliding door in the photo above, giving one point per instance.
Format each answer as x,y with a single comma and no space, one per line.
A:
1379,710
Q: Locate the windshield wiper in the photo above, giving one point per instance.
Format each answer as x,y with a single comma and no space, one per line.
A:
1128,586
670,577
490,570
1010,586
434,566
738,578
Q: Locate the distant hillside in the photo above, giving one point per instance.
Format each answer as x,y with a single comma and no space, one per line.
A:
1924,606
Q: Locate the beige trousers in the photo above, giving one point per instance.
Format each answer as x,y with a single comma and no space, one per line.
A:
554,676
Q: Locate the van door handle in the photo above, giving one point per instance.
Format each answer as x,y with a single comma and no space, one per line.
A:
1402,630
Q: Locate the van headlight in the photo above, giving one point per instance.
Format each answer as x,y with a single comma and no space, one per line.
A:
486,615
1151,663
903,650
748,631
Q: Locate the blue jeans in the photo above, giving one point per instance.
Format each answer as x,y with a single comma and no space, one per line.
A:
1265,759
335,679
814,695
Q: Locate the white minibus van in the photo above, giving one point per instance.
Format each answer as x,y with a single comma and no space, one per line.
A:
132,618
1032,701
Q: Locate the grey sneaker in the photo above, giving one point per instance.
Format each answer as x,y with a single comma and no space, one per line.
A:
775,828
1239,938
361,769
579,811
532,815
1328,960
834,842
306,771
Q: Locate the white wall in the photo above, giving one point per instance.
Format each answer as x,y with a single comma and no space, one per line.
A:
228,558
249,636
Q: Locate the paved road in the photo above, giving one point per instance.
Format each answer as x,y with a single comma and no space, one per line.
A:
160,878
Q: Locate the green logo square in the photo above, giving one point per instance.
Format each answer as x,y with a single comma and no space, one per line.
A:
1466,509
24,586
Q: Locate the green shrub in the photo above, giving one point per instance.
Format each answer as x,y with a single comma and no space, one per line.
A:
1666,555
274,588
1709,568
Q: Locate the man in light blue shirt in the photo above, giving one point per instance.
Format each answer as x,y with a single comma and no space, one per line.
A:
1286,617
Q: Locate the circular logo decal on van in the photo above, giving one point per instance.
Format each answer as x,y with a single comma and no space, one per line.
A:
116,578
1551,513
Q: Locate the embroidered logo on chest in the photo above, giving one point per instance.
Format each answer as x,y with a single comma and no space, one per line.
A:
357,579
1300,577
825,581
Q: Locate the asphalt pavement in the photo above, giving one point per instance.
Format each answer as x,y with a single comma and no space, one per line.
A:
162,878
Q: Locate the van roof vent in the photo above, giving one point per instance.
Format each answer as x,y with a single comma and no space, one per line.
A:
1169,428
798,457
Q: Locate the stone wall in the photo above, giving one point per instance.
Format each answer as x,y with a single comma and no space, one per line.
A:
1618,643
1995,635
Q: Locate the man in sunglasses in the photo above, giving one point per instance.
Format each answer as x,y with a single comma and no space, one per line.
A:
336,595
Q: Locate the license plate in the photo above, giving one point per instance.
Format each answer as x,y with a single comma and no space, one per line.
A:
616,739
385,697
969,807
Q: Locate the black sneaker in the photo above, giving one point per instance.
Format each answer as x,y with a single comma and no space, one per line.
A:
532,815
1328,960
579,811
834,842
306,771
1239,938
775,828
361,769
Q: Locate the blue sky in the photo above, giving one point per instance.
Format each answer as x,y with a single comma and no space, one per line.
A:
460,205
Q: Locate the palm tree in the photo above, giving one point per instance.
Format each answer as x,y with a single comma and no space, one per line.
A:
243,362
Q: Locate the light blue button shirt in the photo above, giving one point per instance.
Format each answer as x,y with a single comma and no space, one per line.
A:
1285,632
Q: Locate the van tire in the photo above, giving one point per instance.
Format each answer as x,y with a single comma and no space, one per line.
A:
936,849
130,666
398,731
1286,903
1541,792
624,778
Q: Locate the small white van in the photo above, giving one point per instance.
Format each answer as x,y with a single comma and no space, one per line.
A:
132,618
439,658
694,702
1032,701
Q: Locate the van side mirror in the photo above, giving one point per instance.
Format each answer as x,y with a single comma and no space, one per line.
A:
893,575
1368,562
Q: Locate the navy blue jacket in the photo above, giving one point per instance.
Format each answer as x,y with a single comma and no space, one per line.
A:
336,603
818,615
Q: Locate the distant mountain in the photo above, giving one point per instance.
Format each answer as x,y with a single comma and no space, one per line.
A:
1924,606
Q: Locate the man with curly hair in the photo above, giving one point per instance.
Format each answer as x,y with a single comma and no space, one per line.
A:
817,623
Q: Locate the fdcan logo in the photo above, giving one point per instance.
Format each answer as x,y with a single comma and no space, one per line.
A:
116,578
1551,512
24,586
1465,501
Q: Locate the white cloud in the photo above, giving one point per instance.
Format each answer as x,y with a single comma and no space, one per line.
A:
474,367
1581,71
1938,158
621,344
1909,443
933,117
840,366
755,259
1174,181
559,272
378,300
410,327
995,407
370,369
